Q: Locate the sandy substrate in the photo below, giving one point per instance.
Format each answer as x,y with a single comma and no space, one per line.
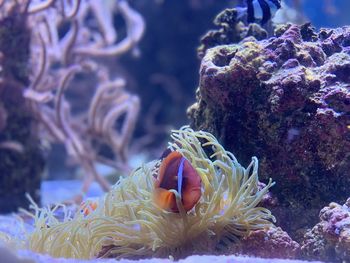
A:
29,257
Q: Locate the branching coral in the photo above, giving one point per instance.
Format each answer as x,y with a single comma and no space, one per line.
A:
67,38
128,223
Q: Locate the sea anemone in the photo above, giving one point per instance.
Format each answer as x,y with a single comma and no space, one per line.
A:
126,222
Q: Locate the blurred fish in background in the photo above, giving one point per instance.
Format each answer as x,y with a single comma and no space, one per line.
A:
321,13
259,10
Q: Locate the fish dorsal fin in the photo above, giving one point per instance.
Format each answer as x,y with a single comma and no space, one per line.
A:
266,11
250,11
180,176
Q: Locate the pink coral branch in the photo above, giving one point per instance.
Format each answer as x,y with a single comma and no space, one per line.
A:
38,7
111,104
118,140
62,86
75,144
68,42
74,10
40,97
105,20
46,117
12,146
135,30
42,64
106,91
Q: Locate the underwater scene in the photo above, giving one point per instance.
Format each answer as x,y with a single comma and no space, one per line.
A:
175,131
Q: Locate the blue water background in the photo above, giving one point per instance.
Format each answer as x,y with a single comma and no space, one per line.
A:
315,12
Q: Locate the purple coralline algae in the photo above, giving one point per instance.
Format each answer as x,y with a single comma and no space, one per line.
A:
285,99
329,240
272,242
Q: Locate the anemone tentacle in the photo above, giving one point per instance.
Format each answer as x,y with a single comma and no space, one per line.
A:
126,221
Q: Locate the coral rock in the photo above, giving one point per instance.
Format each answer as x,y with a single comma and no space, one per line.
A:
329,240
287,100
270,243
230,30
21,157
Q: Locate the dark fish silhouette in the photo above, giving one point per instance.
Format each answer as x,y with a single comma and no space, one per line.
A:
261,10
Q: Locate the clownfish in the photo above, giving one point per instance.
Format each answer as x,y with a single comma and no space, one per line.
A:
87,208
261,10
176,173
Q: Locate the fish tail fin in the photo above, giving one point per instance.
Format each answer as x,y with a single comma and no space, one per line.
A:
250,11
266,11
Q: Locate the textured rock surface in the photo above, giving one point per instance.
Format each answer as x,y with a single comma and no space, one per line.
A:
329,240
286,100
270,243
21,158
230,30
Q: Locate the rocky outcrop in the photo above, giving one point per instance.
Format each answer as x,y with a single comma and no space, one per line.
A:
285,99
270,243
329,240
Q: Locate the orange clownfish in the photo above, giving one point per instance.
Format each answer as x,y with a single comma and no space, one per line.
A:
177,173
87,208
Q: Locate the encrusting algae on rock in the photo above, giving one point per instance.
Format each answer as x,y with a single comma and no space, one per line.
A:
126,222
285,96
